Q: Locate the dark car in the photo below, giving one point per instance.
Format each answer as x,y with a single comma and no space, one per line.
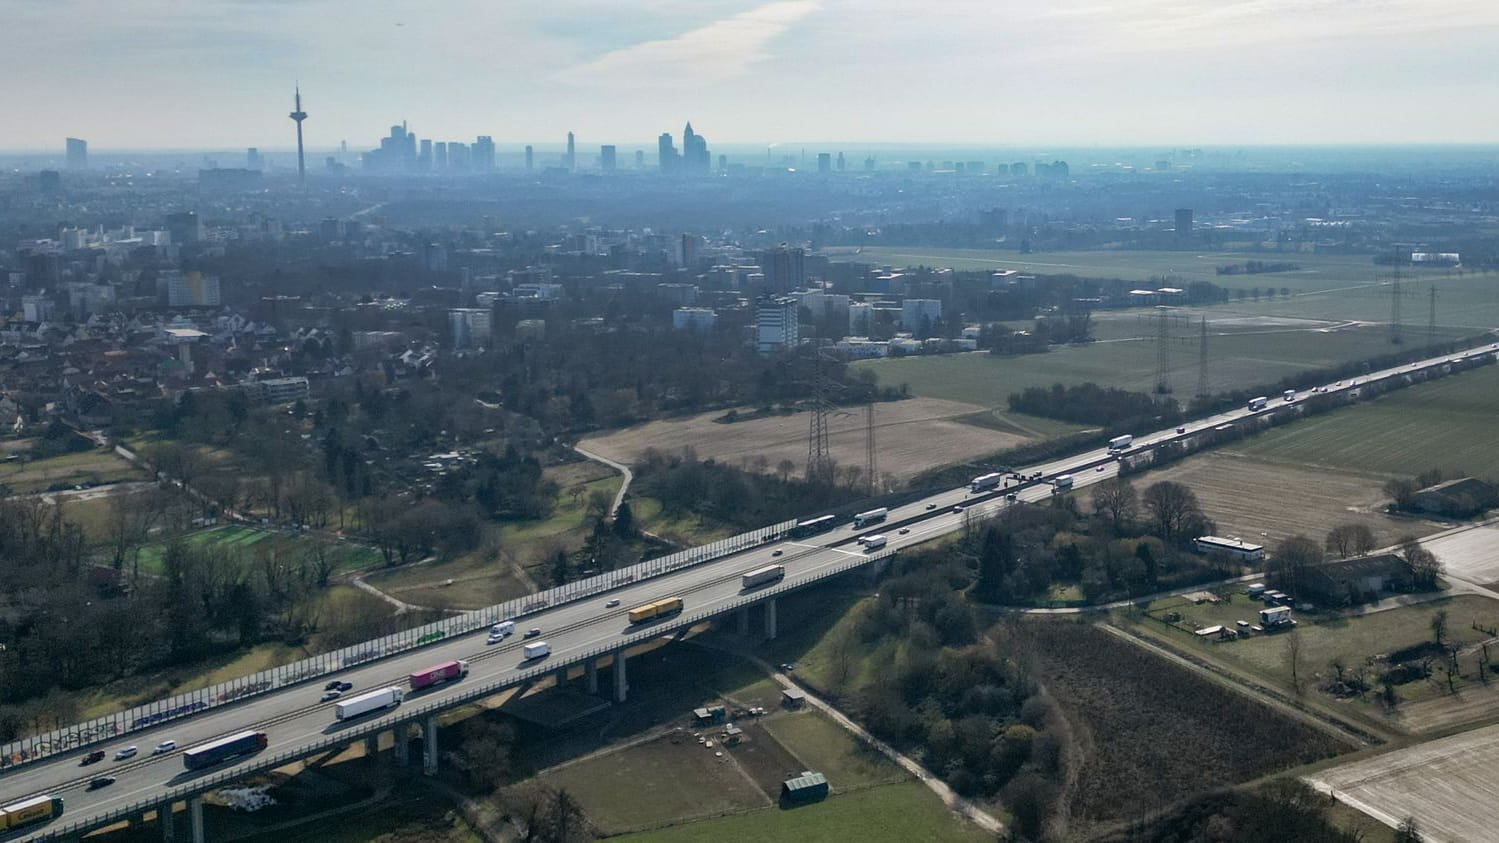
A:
102,781
532,633
94,757
345,686
333,686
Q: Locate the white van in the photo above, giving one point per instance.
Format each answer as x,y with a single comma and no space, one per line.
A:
502,628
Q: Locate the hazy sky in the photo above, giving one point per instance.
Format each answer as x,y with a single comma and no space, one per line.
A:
219,73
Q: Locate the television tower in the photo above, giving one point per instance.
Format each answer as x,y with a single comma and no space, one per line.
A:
299,115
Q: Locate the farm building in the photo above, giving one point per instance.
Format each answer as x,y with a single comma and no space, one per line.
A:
793,697
1460,498
1351,581
709,714
1236,548
808,787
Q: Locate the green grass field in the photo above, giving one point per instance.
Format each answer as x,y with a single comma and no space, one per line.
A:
1449,424
897,813
821,745
1235,360
347,556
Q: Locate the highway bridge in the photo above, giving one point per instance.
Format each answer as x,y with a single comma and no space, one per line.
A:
588,636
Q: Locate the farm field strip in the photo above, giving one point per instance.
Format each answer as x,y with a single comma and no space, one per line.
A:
1471,554
1448,785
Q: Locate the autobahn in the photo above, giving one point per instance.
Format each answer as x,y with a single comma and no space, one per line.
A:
295,719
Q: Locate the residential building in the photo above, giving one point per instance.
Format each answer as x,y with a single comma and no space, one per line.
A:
77,154
192,289
920,314
470,326
776,324
700,319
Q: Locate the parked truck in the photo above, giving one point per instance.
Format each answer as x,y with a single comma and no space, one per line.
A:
873,516
438,673
233,746
985,482
1257,404
655,610
27,811
370,701
761,576
535,650
1119,444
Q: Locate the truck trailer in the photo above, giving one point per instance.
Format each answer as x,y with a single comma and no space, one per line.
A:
27,811
1257,404
233,746
428,677
874,542
873,516
761,576
658,609
371,701
1120,443
535,650
1062,481
985,482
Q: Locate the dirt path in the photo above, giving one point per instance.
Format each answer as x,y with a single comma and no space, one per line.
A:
623,469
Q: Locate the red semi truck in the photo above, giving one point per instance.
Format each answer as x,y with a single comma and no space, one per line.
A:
438,673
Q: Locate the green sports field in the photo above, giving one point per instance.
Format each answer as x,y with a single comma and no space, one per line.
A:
347,556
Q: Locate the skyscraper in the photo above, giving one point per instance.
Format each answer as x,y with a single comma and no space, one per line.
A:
824,162
77,154
530,157
607,157
572,153
484,154
1183,223
666,153
298,115
695,157
252,158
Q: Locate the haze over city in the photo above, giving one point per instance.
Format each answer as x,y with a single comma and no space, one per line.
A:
214,74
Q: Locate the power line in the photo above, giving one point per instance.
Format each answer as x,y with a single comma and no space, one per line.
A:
1202,360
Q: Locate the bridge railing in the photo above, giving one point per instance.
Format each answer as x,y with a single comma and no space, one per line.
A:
416,711
108,727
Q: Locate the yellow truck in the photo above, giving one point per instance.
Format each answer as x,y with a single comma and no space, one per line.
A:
658,609
34,810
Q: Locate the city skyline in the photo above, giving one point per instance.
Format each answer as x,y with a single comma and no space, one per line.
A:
1140,73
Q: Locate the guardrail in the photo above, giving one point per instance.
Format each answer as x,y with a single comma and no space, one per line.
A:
407,714
37,747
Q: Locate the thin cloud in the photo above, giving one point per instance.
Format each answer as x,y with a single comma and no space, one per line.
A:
720,51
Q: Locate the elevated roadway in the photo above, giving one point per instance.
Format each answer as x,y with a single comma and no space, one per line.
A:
588,632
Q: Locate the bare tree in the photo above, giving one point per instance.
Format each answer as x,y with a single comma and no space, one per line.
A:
1118,500
1425,568
1293,660
1293,556
1173,507
1401,491
1439,626
1347,540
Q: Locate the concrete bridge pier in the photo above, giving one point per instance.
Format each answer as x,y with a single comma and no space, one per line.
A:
403,745
591,675
372,746
195,808
560,677
429,745
743,620
621,684
770,618
168,826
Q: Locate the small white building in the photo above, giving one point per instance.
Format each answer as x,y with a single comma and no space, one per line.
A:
1236,548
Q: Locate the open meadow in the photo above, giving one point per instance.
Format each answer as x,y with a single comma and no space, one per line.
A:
345,556
912,436
1242,356
1264,500
94,467
1448,424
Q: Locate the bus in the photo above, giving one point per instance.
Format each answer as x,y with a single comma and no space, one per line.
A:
873,516
813,526
656,610
233,746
